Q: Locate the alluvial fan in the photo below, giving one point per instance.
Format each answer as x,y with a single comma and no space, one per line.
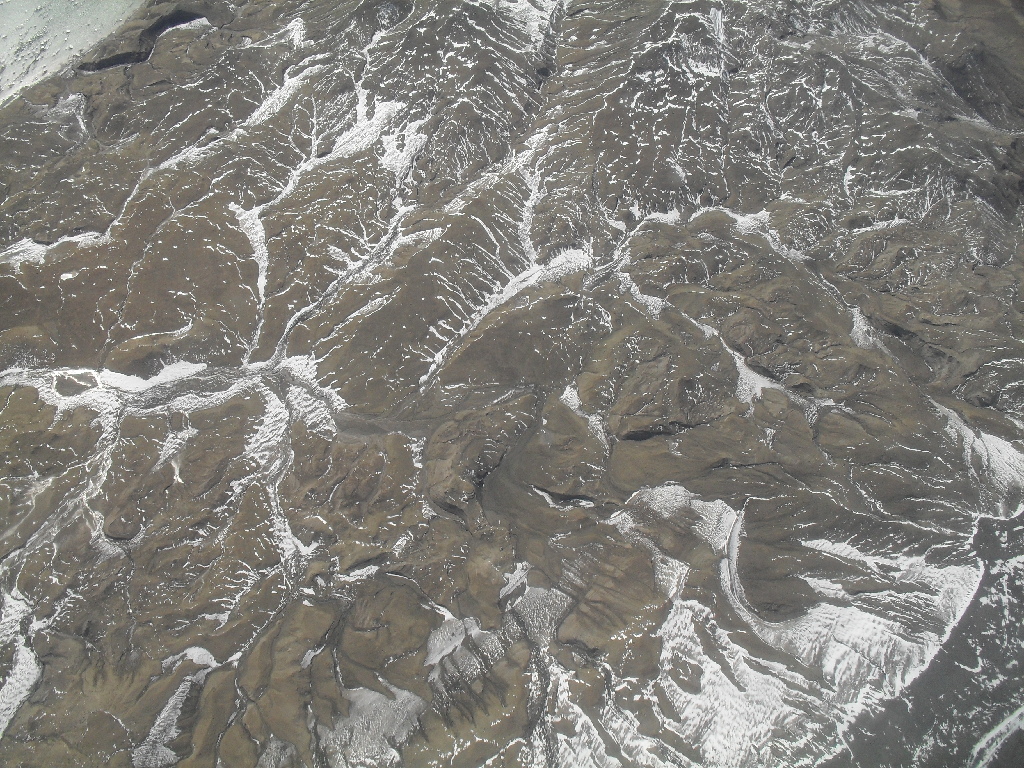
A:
549,383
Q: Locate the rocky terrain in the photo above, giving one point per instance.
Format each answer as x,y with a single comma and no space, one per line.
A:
549,383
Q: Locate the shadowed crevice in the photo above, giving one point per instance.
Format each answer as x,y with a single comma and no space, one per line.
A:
147,41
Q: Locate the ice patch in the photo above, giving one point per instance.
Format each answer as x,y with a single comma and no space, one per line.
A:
564,264
270,448
443,640
304,369
1002,463
360,574
571,398
24,251
279,97
652,305
254,231
533,183
308,656
153,752
366,132
173,445
863,334
312,412
27,251
126,383
716,519
737,703
988,746
534,15
41,38
752,223
845,551
197,655
865,650
401,149
514,579
540,610
571,503
375,726
758,223
670,575
749,383
26,669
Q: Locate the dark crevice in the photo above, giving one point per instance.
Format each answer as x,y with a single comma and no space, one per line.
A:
147,41
657,430
175,18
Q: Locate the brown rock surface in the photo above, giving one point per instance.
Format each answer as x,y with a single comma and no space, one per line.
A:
516,383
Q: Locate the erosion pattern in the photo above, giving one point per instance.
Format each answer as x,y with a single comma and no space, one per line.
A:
542,383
